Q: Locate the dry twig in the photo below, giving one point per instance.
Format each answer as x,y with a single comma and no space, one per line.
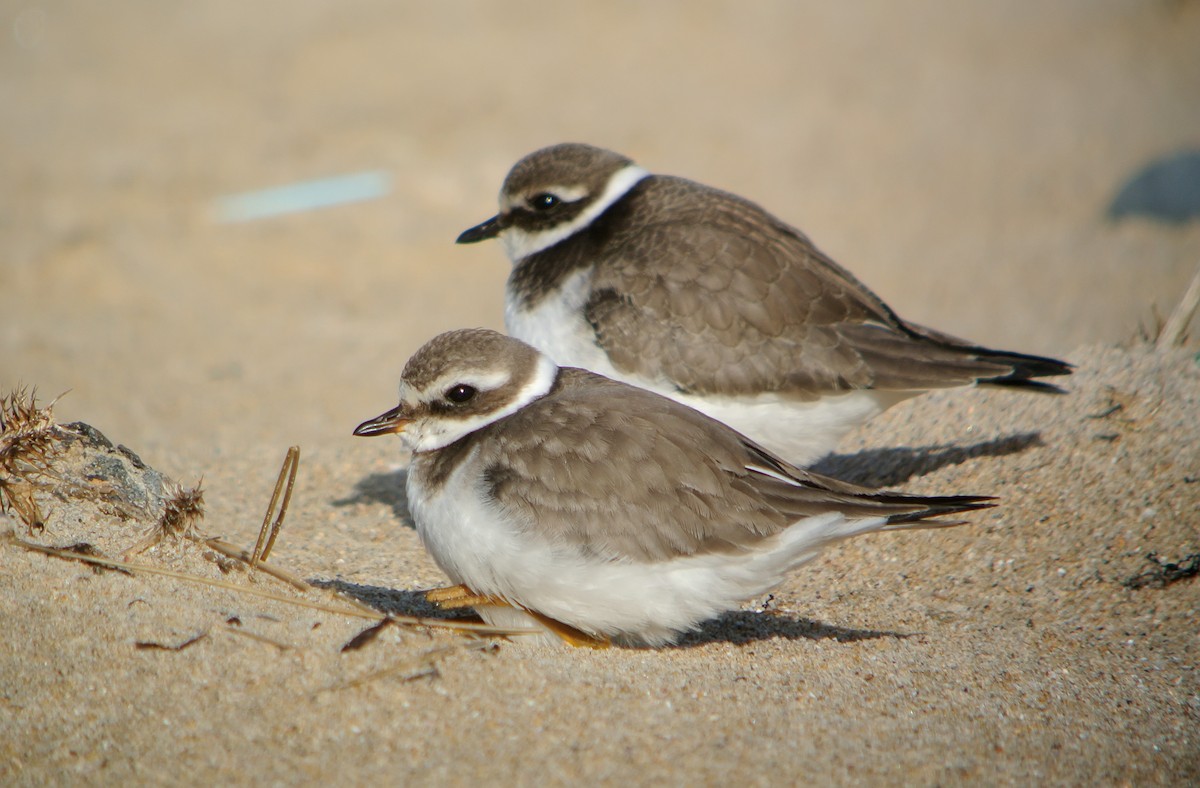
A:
1174,331
419,667
266,536
357,611
28,444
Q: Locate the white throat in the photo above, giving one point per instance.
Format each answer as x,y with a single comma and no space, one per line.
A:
519,244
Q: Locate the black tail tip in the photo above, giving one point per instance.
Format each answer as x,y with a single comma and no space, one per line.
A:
1025,371
950,504
1025,384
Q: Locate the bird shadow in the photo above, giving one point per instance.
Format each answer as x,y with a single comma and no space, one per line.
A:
893,466
385,488
737,628
393,601
746,626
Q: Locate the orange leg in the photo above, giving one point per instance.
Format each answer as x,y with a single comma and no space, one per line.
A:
569,634
455,597
460,596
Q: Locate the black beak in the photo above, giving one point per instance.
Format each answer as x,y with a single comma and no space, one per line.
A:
384,424
481,232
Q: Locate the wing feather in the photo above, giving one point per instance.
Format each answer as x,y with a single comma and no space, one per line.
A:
664,483
758,308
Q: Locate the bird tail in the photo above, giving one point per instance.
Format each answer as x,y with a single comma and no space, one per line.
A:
804,540
1025,371
1023,368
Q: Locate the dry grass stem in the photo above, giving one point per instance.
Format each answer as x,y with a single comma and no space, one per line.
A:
357,611
230,550
150,644
420,666
29,441
1174,332
260,638
267,535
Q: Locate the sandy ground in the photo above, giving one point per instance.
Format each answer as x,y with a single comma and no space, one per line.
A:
958,158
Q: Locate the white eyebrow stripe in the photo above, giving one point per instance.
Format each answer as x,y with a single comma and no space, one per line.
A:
567,193
483,381
520,244
428,435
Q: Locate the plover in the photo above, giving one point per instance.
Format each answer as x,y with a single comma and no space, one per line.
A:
601,511
704,297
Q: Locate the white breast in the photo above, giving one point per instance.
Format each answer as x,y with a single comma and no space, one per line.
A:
556,326
478,545
467,536
800,431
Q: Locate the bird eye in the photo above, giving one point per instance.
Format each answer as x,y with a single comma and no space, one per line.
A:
460,393
544,201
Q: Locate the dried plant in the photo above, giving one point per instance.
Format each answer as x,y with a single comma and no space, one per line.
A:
349,606
182,510
1165,572
28,446
1174,331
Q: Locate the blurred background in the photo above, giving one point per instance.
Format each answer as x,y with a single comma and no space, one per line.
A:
960,158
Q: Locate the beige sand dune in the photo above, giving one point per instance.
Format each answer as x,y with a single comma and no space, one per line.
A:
959,159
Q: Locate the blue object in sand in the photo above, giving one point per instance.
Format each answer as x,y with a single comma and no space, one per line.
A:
1167,190
303,196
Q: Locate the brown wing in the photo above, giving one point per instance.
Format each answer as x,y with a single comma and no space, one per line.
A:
652,479
756,307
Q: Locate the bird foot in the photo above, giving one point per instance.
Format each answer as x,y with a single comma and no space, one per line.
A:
460,596
568,634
